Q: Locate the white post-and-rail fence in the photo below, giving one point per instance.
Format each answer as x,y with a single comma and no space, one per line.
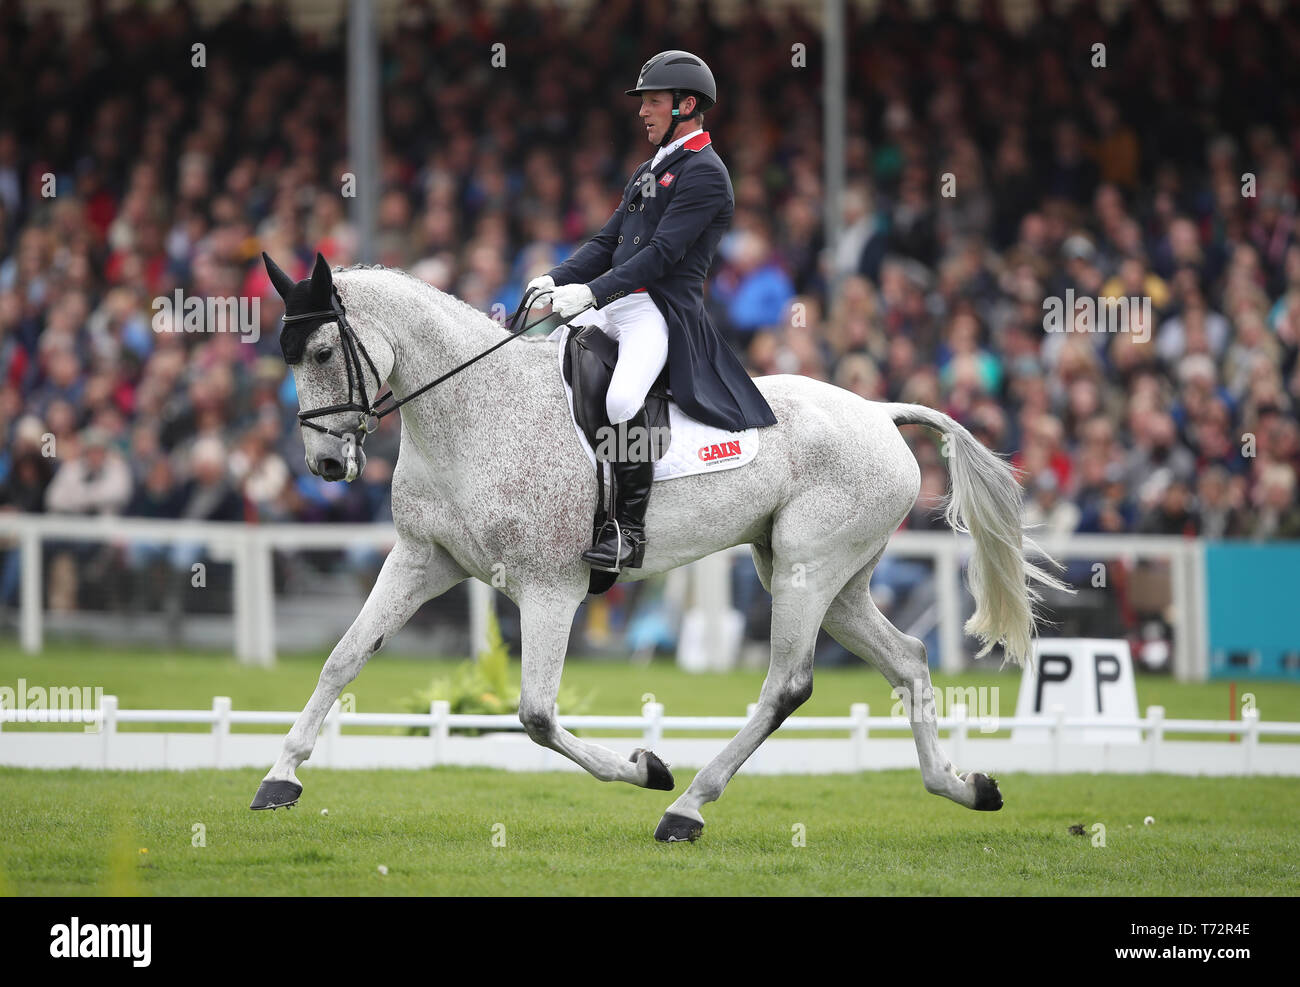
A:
249,549
102,745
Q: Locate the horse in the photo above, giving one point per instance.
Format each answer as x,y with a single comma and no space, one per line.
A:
492,483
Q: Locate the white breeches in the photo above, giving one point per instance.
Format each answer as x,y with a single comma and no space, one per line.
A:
637,325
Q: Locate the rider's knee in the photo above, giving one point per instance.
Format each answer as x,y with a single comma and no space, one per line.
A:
621,407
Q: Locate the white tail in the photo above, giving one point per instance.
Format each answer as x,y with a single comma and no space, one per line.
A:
986,502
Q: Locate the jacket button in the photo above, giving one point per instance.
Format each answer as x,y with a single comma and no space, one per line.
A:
620,238
631,208
636,239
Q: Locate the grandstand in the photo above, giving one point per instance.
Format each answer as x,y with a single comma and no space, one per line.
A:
1166,174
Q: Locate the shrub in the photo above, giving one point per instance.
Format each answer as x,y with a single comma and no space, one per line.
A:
484,686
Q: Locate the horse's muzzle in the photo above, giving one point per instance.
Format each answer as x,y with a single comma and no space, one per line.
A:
331,469
348,469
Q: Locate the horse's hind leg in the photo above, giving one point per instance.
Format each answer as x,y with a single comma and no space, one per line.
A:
410,575
545,619
854,620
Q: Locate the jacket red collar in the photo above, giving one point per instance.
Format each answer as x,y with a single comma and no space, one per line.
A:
699,141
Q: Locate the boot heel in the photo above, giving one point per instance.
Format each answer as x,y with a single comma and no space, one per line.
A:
638,553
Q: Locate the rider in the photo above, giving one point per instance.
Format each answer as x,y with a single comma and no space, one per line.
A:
644,272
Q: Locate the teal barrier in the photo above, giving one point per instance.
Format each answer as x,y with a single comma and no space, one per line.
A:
1253,595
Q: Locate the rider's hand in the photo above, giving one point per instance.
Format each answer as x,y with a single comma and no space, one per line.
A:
546,283
570,299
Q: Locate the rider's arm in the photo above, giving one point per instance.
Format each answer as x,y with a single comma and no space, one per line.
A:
692,209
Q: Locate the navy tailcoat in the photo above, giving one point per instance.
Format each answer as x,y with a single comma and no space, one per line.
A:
661,240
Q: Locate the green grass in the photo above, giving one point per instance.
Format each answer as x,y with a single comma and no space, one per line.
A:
165,680
82,832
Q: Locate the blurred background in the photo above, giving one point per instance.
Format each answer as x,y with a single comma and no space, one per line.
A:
148,147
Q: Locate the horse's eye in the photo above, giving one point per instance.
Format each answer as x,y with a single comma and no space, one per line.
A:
323,356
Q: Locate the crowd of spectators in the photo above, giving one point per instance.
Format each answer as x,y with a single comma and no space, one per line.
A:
990,168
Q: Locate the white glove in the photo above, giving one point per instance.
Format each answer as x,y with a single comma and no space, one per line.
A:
546,283
570,299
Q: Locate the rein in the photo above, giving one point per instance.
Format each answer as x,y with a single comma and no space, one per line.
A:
371,413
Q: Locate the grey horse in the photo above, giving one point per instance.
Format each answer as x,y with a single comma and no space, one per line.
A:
491,481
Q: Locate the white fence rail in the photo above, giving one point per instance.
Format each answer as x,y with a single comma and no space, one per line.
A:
249,549
102,745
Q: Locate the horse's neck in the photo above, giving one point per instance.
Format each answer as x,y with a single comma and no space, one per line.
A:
424,326
431,335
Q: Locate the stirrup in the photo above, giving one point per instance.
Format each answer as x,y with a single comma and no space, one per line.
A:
635,553
618,546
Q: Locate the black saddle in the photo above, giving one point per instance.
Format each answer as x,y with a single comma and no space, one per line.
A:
589,360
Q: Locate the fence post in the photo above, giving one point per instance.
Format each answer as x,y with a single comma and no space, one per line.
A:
1180,588
241,598
654,726
859,713
220,729
958,738
1250,718
712,602
481,602
31,595
1200,617
107,728
439,709
1058,734
332,729
261,580
1155,734
947,585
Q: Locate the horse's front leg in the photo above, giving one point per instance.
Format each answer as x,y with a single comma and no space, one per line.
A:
411,574
545,620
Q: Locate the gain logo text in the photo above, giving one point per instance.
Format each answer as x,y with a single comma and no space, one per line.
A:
720,451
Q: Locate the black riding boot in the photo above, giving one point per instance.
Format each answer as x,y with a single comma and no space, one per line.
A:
621,541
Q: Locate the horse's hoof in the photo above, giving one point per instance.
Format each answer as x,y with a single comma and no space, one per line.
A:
675,828
658,776
987,796
276,794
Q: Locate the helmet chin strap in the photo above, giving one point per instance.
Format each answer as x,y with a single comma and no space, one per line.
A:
672,127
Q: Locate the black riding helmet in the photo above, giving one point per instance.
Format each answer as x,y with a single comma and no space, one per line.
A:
683,74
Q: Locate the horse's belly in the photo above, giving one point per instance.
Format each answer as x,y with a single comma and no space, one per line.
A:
693,516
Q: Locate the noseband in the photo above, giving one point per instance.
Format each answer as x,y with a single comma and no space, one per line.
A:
354,351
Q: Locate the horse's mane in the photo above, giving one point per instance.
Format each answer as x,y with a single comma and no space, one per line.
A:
454,306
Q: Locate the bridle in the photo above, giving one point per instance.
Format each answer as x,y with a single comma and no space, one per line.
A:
354,351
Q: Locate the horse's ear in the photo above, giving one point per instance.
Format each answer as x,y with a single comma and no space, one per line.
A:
322,282
281,281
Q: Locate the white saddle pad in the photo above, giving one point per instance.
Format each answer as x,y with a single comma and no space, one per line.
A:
693,447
